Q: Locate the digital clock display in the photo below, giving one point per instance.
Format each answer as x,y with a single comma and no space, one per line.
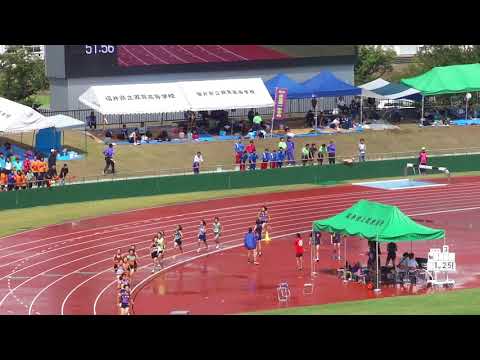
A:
99,49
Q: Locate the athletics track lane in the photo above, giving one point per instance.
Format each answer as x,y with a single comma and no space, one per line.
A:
74,272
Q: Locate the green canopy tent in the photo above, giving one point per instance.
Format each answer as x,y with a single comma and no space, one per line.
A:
377,222
452,79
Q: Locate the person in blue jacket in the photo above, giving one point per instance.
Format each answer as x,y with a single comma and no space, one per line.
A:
252,160
250,244
273,159
266,157
280,158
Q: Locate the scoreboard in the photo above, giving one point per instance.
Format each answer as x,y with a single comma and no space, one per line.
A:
117,60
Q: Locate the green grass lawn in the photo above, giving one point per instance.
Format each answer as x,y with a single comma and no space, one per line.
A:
458,302
13,221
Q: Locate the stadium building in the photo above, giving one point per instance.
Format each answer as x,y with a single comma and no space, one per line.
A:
72,69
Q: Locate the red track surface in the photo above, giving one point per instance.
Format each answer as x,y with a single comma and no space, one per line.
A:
67,268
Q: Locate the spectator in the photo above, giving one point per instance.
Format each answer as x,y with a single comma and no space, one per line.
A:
251,115
422,160
42,172
30,178
273,159
2,162
362,149
124,133
108,136
290,151
391,253
331,149
312,153
257,122
134,138
109,162
10,181
252,160
63,173
197,160
309,119
8,165
402,265
322,153
305,154
239,149
52,160
282,145
280,158
27,164
251,147
16,164
266,158
243,160
92,121
411,262
3,181
335,124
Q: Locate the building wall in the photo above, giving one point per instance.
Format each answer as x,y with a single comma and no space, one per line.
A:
73,88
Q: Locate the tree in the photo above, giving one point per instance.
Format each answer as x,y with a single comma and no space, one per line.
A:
430,56
22,75
373,62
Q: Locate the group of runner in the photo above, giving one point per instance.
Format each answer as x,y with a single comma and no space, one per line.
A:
124,266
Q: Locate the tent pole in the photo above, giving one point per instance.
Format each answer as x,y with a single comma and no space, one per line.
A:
312,247
345,255
377,288
423,109
361,109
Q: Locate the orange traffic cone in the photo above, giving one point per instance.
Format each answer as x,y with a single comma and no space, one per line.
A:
267,237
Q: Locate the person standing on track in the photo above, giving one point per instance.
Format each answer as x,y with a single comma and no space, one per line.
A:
177,238
217,230
202,235
258,236
315,241
250,244
336,240
299,250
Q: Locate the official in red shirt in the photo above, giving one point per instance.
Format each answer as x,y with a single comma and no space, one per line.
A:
299,250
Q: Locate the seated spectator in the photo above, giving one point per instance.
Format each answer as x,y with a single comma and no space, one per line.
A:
143,129
133,138
411,262
402,265
124,132
16,163
313,151
2,162
305,154
257,122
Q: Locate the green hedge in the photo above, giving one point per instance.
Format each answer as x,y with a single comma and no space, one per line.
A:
219,181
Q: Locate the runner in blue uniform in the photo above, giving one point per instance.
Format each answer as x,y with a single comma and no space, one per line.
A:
125,301
202,235
178,238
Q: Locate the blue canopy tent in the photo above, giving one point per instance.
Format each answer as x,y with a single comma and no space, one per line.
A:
295,90
326,84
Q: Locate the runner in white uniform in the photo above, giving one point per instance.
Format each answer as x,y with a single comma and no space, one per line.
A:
217,230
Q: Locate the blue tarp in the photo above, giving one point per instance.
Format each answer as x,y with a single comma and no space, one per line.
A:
326,84
463,122
295,90
47,139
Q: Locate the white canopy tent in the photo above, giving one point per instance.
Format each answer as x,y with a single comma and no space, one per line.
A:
18,118
375,84
66,122
135,99
227,94
177,96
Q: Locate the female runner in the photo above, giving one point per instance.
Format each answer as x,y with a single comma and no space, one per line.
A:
132,261
154,252
125,301
263,217
217,230
258,236
161,246
122,282
117,260
177,238
202,235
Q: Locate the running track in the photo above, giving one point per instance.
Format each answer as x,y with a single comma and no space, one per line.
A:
67,268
